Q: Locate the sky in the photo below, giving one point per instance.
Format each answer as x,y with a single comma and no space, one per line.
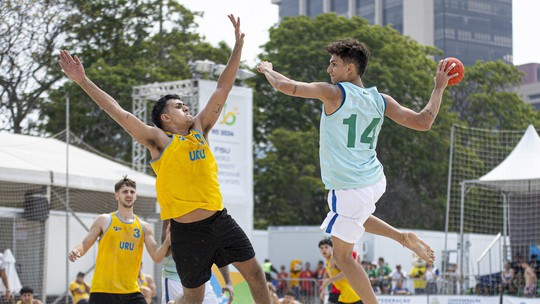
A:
258,15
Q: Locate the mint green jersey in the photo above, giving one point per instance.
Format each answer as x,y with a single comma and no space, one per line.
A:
349,137
169,269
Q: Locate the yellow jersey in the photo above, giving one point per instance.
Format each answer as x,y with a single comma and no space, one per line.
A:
119,257
418,274
347,293
78,296
142,280
187,176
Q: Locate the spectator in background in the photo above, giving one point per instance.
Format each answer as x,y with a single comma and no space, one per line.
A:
517,259
535,264
530,280
3,275
507,279
282,278
80,291
268,268
432,273
27,296
319,274
385,281
373,275
418,274
400,289
398,274
307,282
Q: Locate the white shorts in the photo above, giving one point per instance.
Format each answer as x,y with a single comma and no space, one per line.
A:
172,289
350,209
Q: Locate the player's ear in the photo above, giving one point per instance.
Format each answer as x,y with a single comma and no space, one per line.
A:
165,117
351,68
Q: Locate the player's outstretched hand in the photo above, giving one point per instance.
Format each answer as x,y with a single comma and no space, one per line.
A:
74,255
71,66
229,289
441,78
264,66
237,32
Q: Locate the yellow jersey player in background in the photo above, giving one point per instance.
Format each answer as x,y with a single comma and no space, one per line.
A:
80,291
202,233
122,238
341,292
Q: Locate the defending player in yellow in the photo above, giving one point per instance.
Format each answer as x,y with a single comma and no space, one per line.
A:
202,232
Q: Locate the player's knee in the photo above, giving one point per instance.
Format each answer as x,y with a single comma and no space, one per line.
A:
251,269
343,258
193,295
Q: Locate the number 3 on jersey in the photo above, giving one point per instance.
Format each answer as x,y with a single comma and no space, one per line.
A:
368,136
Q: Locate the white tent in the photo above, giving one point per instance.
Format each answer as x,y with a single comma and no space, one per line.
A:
42,161
520,171
33,168
517,175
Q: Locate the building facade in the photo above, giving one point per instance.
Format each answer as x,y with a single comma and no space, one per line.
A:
530,85
470,30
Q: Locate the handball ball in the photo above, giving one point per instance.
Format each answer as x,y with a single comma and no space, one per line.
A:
459,68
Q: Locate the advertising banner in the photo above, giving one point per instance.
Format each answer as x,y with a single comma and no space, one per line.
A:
231,144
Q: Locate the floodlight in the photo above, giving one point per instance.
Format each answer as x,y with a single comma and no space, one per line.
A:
244,74
218,69
203,66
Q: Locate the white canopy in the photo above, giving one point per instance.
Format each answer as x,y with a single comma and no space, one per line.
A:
520,171
42,161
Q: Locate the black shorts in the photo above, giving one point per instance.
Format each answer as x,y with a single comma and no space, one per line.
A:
115,298
197,246
333,298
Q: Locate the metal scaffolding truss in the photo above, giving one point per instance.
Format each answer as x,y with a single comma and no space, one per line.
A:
186,89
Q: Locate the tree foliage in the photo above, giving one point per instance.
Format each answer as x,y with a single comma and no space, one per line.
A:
485,98
30,32
121,48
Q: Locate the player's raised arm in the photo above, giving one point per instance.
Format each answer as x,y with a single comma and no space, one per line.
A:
423,120
207,118
316,90
143,133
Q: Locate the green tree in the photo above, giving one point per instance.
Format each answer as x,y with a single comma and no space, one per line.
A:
29,33
486,98
415,162
120,48
291,168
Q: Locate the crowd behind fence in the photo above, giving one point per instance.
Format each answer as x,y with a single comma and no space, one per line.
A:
307,291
